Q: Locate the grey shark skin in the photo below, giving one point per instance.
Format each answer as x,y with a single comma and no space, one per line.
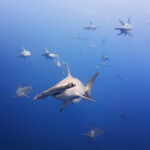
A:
23,91
69,90
95,132
126,28
91,26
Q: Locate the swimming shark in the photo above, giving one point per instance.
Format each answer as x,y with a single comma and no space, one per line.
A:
69,90
23,91
104,41
58,64
104,64
25,53
95,132
50,55
119,76
105,57
126,28
91,26
121,114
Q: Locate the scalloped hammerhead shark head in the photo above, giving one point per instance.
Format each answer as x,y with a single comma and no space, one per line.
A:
69,90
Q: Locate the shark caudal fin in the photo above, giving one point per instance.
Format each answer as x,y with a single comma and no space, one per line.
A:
68,71
89,85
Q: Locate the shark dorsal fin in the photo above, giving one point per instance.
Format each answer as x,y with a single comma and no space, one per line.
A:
129,20
68,71
89,85
46,50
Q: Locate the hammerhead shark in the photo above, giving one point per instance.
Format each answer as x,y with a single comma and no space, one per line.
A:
95,132
105,57
25,53
91,26
69,90
23,91
126,28
50,55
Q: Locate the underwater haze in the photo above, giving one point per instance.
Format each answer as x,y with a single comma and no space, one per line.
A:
121,91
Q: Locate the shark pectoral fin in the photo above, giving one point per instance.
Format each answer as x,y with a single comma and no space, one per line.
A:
117,28
89,85
120,33
64,104
121,22
130,34
90,99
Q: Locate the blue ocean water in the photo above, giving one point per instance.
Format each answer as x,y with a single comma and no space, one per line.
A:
26,124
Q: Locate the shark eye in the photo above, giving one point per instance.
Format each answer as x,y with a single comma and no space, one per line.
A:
70,85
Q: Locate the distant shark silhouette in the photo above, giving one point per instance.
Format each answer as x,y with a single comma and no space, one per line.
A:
91,26
126,28
23,91
50,55
25,53
95,132
105,57
69,90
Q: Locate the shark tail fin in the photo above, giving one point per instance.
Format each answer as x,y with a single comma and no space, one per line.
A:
89,85
68,71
